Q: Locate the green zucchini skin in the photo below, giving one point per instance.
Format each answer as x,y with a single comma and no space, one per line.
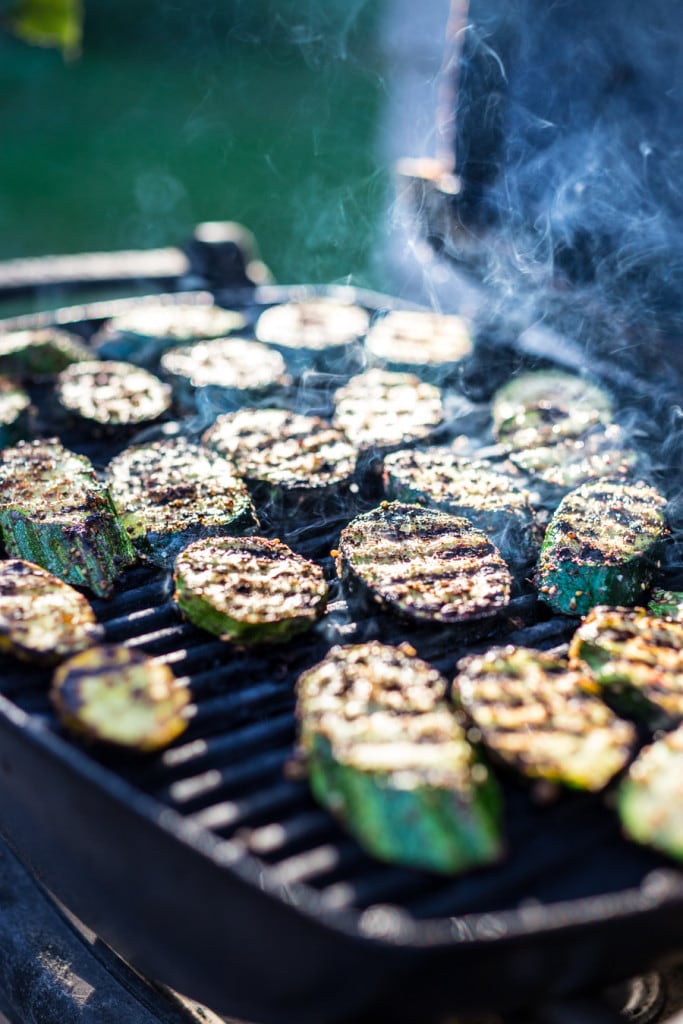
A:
600,546
650,798
285,457
533,713
249,590
42,619
380,410
635,662
54,512
111,397
117,695
40,353
433,345
143,333
387,756
667,604
423,564
15,413
491,500
171,493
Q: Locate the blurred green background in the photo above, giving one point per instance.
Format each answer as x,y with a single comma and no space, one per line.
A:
176,112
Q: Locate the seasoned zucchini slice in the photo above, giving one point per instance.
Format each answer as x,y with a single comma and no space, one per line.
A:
428,343
668,604
170,493
635,662
531,710
237,365
249,590
54,512
111,395
284,454
423,564
386,755
549,403
40,353
15,412
313,332
42,619
600,546
570,462
146,330
650,799
118,695
490,499
384,410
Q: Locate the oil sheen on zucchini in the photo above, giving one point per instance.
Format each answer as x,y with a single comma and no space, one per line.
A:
249,590
423,564
600,546
531,710
387,756
170,493
119,696
54,512
42,619
634,661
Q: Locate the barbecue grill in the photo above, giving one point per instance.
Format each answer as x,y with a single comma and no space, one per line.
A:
210,868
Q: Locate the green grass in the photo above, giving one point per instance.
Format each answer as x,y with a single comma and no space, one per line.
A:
263,113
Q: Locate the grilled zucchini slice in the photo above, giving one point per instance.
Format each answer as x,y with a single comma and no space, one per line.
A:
650,799
423,564
318,332
146,330
119,696
238,367
249,590
547,405
635,662
490,499
600,546
111,396
532,712
667,604
430,344
54,512
382,410
386,755
15,412
285,455
42,619
170,493
38,353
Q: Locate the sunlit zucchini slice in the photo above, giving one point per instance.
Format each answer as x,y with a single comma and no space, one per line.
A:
145,331
283,454
635,662
429,344
550,405
54,512
491,499
423,564
117,695
318,332
386,755
240,367
15,412
650,799
111,395
40,353
170,493
600,546
384,410
249,590
42,619
531,710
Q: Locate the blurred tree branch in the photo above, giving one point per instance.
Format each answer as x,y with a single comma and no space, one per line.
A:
57,23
